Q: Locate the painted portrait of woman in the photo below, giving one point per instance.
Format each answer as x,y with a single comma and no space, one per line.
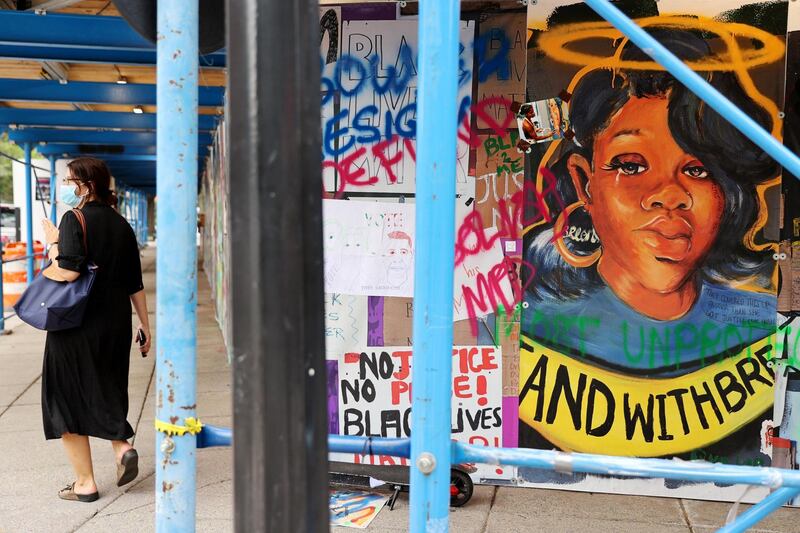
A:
654,266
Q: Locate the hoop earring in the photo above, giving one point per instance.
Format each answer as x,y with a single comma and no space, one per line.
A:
577,261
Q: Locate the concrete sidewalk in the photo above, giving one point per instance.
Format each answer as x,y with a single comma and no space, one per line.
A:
32,470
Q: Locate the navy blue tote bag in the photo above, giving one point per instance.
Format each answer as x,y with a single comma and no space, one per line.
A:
57,305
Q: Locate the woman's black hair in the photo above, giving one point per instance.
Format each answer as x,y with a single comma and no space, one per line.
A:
94,173
735,163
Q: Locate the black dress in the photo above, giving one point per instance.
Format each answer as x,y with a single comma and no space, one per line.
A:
85,373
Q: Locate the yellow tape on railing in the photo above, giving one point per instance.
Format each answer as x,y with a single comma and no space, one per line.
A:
193,426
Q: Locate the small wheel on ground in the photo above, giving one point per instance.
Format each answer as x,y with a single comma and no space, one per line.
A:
461,488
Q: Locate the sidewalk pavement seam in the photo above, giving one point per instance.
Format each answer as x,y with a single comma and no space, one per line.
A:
218,482
144,401
20,395
120,495
126,510
685,515
489,511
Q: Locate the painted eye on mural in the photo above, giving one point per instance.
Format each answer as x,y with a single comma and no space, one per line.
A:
628,164
696,171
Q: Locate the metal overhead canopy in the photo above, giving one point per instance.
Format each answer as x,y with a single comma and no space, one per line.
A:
131,167
36,135
101,151
125,158
125,140
90,119
96,55
79,38
89,92
130,170
52,4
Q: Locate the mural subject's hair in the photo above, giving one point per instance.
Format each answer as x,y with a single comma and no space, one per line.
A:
735,163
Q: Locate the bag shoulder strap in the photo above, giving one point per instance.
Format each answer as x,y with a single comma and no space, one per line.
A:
82,221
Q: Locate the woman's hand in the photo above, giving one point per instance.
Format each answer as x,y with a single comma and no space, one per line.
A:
50,231
147,339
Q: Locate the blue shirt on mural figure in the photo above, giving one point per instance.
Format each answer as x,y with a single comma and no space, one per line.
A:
601,329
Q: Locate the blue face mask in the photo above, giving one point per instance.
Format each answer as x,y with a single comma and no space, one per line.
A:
68,196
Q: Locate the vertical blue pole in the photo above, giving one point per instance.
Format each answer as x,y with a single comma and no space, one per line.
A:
146,220
2,306
176,279
29,211
53,185
136,216
437,98
135,209
143,216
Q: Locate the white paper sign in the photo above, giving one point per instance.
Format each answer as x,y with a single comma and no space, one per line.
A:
375,396
371,141
477,287
345,323
369,248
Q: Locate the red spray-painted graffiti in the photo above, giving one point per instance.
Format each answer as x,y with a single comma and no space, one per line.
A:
526,207
351,175
490,292
471,238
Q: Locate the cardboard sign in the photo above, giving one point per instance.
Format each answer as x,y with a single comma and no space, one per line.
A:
375,396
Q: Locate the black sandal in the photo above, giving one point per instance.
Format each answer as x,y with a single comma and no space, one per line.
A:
68,493
128,468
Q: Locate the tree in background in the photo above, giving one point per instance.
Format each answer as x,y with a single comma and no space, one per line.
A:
6,179
7,148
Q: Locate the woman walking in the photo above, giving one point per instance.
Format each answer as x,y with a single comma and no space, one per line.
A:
85,372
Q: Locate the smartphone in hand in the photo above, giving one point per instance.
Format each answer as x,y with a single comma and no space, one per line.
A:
141,339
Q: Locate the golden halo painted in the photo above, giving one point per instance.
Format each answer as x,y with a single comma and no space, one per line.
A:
554,43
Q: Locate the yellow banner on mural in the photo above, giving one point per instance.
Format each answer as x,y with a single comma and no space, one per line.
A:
580,407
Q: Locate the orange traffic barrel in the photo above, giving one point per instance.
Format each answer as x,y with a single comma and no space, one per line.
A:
15,273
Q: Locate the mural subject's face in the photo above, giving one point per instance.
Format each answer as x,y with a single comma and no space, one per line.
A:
655,208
